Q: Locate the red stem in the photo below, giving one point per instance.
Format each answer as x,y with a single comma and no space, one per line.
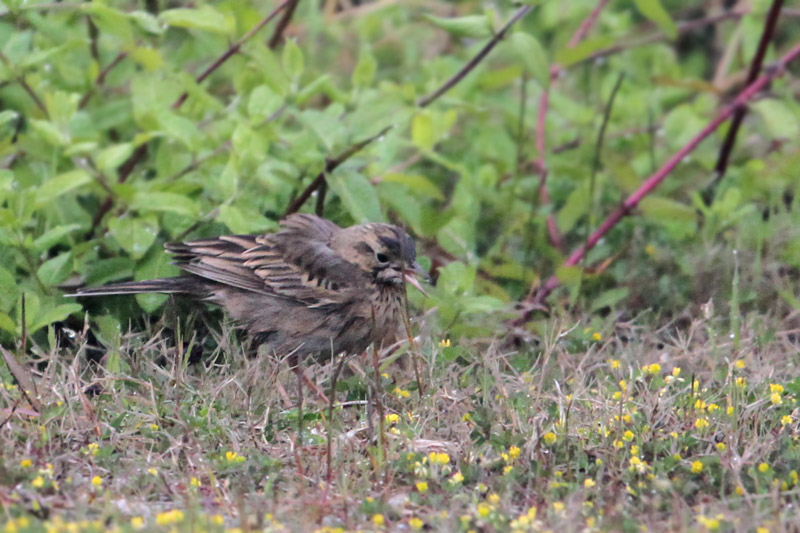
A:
655,180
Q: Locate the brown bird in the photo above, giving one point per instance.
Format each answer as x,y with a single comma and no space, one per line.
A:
312,288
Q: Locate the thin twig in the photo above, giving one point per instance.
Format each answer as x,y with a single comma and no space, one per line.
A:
330,166
101,78
655,180
755,68
277,35
472,63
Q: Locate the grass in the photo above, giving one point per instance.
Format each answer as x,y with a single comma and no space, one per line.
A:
617,430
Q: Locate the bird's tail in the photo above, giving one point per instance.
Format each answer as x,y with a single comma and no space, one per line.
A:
177,285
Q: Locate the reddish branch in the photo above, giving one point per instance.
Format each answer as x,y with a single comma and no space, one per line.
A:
655,180
755,68
544,102
277,35
101,79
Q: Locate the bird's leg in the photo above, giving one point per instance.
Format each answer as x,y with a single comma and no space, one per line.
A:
331,401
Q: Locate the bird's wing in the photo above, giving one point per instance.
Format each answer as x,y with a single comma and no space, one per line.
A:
296,263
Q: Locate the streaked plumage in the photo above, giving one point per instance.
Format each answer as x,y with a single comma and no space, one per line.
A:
312,288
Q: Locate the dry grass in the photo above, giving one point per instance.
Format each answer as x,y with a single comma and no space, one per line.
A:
589,430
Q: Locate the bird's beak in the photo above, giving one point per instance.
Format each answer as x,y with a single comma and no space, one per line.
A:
411,275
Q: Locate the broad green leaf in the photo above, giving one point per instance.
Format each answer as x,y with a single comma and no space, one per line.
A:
60,185
156,264
55,270
110,21
48,315
533,56
293,62
476,26
9,290
112,157
204,18
49,132
609,298
577,205
52,237
416,183
569,56
240,220
422,133
263,102
7,116
180,128
667,210
150,58
568,275
780,120
653,10
147,22
364,72
165,201
356,194
134,235
7,324
107,270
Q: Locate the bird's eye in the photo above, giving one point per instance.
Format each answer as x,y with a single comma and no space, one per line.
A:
382,258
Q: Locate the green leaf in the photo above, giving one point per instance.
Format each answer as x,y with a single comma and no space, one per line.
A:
48,315
9,290
667,210
165,202
147,22
610,298
576,206
569,56
60,185
49,132
653,10
416,183
156,264
134,235
112,157
779,119
205,18
7,324
357,195
240,220
568,275
364,72
110,21
475,26
7,116
422,134
533,56
293,62
52,236
263,102
55,270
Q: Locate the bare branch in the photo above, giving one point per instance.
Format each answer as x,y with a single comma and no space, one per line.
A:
101,79
277,35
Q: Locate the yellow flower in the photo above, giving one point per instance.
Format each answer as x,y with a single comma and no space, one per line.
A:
233,457
793,475
653,369
618,444
623,385
401,393
137,522
416,523
466,418
740,382
514,452
392,418
729,410
676,456
597,336
458,477
701,423
422,486
721,447
700,405
444,343
709,523
628,436
507,469
786,420
169,517
26,463
378,520
484,509
493,498
194,482
217,520
763,467
739,364
776,388
97,481
550,438
617,395
712,407
154,427
438,458
676,371
92,448
152,471
38,482
589,483
558,506
739,491
775,398
762,530
697,467
613,363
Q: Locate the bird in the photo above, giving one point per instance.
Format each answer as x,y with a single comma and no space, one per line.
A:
312,288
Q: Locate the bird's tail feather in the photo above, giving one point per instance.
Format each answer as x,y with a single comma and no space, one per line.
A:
178,285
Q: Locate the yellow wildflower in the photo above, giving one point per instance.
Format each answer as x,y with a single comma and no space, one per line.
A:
721,447
763,467
392,418
217,520
597,336
739,364
458,477
558,506
444,343
194,482
137,522
38,482
697,467
775,398
613,363
26,463
701,423
776,388
786,420
550,438
484,509
676,371
589,483
378,520
422,486
416,523
97,481
169,517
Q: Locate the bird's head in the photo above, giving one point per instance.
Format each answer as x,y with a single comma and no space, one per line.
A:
384,251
